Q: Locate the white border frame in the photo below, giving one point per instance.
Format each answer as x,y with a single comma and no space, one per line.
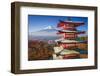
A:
25,64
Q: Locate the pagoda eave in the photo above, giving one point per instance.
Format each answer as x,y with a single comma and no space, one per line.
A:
68,52
66,31
76,24
71,42
79,32
66,41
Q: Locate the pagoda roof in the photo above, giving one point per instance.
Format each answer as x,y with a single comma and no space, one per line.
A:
58,49
66,51
68,31
70,22
66,41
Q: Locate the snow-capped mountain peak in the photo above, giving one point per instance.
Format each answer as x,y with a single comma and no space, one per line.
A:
49,27
47,33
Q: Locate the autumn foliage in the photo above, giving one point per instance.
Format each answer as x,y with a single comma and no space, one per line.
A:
39,50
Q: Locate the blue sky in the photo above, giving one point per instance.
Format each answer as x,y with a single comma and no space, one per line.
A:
38,22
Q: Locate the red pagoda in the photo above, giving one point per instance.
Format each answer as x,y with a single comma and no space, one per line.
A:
68,43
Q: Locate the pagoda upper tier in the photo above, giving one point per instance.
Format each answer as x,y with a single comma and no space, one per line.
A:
70,23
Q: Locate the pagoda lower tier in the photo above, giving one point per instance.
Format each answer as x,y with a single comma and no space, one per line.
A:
61,53
67,44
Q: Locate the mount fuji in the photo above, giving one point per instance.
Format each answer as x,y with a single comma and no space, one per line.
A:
47,33
49,27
